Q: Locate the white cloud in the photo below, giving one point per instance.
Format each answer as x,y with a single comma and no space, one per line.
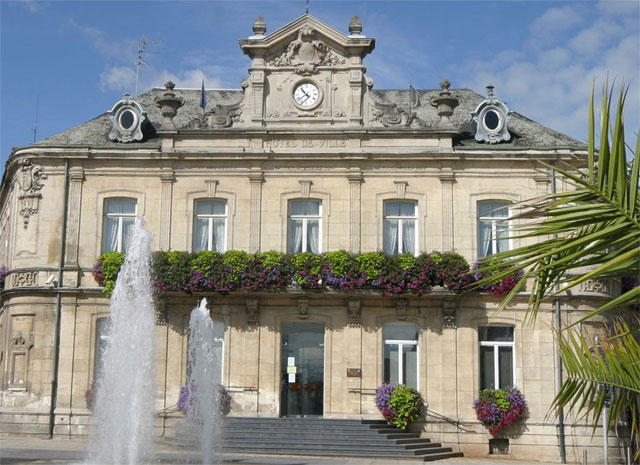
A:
191,78
34,6
124,50
118,78
549,80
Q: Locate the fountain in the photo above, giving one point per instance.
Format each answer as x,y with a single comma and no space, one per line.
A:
203,376
124,405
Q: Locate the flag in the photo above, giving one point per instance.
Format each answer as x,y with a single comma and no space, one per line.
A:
413,96
203,97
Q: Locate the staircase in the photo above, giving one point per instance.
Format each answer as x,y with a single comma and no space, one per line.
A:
319,437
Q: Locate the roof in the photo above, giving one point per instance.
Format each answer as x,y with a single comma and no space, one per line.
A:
526,133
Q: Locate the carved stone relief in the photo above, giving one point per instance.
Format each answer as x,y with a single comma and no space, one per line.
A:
20,345
252,311
449,313
354,311
306,53
598,286
221,116
401,308
29,178
24,279
392,116
303,308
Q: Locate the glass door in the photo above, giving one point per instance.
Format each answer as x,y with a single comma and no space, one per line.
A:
302,383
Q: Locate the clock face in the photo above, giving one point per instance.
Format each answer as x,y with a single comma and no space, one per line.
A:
306,95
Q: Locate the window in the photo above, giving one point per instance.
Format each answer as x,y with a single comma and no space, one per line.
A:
210,225
102,339
119,215
217,350
492,227
305,219
400,228
497,363
401,354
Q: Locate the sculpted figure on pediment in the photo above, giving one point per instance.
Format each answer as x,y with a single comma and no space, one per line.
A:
306,53
221,116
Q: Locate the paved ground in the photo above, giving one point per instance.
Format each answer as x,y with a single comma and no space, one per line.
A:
19,450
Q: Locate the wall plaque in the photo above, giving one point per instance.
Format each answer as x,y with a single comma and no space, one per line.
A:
354,373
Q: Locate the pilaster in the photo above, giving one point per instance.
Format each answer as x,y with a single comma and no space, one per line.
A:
355,191
447,179
167,179
256,179
76,179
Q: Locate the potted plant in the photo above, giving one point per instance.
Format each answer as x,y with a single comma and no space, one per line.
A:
399,405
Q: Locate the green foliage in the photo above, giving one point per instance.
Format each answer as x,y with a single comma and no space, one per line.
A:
237,262
341,262
111,263
270,259
305,266
205,261
371,264
406,261
407,404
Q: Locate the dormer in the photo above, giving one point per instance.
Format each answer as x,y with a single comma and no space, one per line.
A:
306,73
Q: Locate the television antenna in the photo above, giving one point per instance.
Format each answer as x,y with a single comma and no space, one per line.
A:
139,60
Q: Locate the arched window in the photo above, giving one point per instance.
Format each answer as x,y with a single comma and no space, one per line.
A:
492,227
210,225
400,227
304,226
119,215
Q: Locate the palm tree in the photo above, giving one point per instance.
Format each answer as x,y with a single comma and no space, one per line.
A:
596,227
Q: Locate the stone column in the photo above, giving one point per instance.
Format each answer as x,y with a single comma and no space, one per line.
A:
447,179
166,198
76,178
256,179
355,189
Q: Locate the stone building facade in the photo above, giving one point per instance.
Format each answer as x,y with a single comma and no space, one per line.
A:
305,157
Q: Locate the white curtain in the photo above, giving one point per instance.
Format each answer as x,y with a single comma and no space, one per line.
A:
409,237
312,236
501,231
219,235
484,234
294,244
110,235
126,232
200,234
391,237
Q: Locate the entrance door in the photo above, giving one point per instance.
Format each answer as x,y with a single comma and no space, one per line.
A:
302,384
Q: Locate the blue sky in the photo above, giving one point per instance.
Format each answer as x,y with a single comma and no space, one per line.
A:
70,61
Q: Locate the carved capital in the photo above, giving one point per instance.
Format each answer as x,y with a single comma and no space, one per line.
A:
252,311
449,313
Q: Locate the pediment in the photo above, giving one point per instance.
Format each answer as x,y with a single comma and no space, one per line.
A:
306,44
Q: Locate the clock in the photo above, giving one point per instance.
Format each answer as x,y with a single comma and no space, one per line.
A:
307,95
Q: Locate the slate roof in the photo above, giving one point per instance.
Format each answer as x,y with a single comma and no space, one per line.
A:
525,132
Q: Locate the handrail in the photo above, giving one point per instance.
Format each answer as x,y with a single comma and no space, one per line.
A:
455,423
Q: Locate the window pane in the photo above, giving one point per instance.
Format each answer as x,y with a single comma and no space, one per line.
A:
304,207
313,236
487,369
294,236
101,343
408,237
501,231
211,207
400,209
126,232
484,238
110,235
219,234
120,206
391,363
400,332
410,365
493,209
200,234
505,360
390,237
496,333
